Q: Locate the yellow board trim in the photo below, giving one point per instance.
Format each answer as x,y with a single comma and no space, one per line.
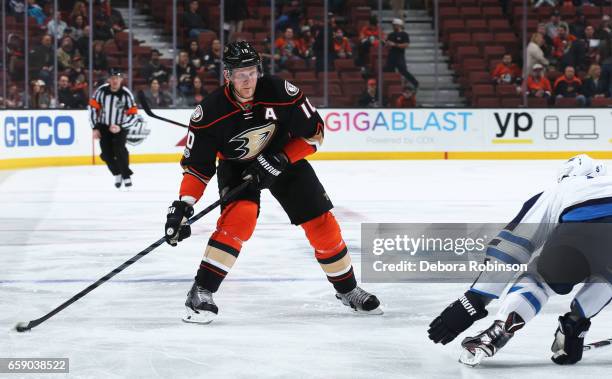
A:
18,163
512,141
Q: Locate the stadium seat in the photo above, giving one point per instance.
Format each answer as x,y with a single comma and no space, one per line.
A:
487,102
537,102
511,102
565,102
601,102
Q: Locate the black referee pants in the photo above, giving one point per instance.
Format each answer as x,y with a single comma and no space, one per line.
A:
114,153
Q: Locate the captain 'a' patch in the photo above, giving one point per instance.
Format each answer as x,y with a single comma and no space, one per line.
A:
253,141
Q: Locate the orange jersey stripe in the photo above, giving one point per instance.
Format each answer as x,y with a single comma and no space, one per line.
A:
94,104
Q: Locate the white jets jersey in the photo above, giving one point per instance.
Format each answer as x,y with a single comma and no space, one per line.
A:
575,199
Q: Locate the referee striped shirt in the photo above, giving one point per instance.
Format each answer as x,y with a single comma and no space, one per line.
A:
108,108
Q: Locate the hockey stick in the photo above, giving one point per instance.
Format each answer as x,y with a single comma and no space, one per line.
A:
597,345
149,112
22,326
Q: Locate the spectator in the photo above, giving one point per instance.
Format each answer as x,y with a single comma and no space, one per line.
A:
605,28
41,59
65,54
156,97
287,47
342,47
40,97
82,44
318,47
14,98
290,13
198,93
57,26
577,27
77,27
79,9
184,73
193,21
14,49
235,12
568,85
399,41
589,47
565,50
36,11
116,21
102,25
196,57
538,84
552,27
100,62
593,85
407,99
506,72
212,59
68,98
369,36
305,44
369,98
266,58
547,41
534,51
605,58
154,69
76,72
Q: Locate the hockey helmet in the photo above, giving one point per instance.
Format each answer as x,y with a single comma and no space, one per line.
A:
239,54
581,165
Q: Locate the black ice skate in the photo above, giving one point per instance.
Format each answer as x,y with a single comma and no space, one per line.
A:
201,308
488,342
361,301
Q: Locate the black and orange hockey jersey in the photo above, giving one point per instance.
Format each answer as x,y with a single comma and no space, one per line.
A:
280,118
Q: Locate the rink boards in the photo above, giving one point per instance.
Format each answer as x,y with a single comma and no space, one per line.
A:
33,138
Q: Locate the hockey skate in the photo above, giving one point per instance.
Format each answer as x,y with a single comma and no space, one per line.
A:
488,342
361,301
118,181
201,308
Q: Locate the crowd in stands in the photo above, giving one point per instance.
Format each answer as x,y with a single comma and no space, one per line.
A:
565,57
567,62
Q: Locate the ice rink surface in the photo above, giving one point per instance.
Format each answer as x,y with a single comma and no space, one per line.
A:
63,228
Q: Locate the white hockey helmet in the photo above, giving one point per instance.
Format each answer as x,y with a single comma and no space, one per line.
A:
581,165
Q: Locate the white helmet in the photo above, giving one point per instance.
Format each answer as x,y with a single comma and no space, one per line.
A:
581,165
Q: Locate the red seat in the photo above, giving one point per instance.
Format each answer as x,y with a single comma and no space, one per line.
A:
479,77
537,102
464,52
494,52
482,90
487,102
470,12
476,25
506,90
499,25
565,102
343,65
511,102
601,102
482,39
472,64
492,13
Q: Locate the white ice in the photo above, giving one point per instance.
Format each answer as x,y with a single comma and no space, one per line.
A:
63,228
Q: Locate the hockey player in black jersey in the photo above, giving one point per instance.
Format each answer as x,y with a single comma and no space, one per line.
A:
260,128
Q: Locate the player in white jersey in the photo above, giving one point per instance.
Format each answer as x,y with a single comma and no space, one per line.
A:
570,225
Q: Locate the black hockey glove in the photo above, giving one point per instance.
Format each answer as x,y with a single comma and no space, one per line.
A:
457,317
265,169
569,340
175,229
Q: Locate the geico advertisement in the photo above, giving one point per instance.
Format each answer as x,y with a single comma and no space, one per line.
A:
41,133
401,130
550,129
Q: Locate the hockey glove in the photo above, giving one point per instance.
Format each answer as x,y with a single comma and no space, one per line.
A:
456,318
265,169
569,340
175,229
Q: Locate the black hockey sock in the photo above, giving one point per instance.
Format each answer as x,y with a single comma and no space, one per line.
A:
344,283
218,259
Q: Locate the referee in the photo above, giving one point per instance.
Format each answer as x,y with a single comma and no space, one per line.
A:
111,110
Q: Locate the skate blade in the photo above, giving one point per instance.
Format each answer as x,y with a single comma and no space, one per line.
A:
374,312
202,317
472,359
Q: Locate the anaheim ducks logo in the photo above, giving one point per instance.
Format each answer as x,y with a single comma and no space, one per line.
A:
254,140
